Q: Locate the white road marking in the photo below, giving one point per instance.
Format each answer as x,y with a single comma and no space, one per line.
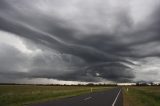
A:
88,98
116,97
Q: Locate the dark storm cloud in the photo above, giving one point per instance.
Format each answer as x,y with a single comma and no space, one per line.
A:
103,52
86,52
110,71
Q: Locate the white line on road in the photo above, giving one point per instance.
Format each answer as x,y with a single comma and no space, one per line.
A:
88,98
116,97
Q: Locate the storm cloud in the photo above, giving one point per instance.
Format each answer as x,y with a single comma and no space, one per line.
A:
91,40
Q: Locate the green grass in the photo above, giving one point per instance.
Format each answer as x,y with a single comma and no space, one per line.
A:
142,96
18,95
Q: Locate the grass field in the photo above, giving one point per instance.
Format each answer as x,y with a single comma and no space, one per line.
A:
19,95
142,96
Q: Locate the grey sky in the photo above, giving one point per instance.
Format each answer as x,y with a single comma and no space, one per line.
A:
75,40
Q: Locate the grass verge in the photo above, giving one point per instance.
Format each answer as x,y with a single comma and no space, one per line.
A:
142,96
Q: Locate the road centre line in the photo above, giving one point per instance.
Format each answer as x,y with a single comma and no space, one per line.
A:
88,98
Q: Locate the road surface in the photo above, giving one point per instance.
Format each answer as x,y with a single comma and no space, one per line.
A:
111,97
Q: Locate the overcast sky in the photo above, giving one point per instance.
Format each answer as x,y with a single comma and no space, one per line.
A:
55,41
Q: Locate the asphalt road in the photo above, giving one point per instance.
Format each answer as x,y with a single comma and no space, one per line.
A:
111,97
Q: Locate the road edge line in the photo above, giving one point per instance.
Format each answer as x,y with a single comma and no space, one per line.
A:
116,98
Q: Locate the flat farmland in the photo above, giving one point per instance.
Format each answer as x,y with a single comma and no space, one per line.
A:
142,96
19,95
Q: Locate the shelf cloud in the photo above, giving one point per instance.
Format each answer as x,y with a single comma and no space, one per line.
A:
86,41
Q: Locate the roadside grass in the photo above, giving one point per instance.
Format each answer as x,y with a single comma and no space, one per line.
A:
142,96
19,95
